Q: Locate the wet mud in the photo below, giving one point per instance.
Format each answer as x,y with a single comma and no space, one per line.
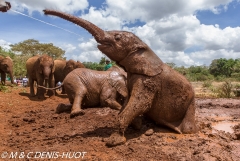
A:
31,125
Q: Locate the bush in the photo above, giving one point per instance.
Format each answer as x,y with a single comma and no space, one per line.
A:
225,90
207,84
236,91
3,88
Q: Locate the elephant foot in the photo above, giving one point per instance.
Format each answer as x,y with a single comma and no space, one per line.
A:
41,97
32,95
115,140
75,113
137,123
52,97
63,107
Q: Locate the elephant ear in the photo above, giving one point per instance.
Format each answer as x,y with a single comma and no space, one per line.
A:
143,61
118,81
53,68
38,66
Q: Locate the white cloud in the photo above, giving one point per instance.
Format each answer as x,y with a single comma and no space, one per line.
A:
69,6
157,9
170,28
85,52
4,44
103,19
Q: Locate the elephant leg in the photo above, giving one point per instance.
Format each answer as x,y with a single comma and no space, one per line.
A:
107,98
3,78
113,104
188,124
139,103
78,98
31,84
63,90
11,76
51,83
40,91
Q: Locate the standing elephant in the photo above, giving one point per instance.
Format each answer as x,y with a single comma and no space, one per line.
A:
91,88
63,67
155,89
6,66
40,69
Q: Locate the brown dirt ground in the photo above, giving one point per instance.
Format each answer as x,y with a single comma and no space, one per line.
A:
31,126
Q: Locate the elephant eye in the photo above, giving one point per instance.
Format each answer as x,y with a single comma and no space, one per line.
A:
117,37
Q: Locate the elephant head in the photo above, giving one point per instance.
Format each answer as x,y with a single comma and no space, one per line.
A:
6,66
79,65
119,82
45,66
123,47
71,65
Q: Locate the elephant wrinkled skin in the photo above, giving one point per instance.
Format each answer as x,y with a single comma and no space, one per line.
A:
63,67
6,66
91,88
155,89
40,69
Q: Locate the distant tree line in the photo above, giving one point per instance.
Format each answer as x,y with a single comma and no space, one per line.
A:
219,69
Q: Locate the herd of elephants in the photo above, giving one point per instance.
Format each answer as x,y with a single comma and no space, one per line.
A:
143,86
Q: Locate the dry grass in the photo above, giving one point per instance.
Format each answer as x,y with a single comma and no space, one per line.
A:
208,92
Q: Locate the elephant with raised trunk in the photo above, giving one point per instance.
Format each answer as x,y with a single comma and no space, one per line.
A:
6,67
63,67
155,89
41,69
91,88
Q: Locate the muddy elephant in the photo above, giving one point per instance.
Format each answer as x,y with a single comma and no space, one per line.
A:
91,88
6,67
4,6
41,69
63,67
155,89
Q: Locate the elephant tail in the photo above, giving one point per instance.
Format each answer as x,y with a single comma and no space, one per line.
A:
50,88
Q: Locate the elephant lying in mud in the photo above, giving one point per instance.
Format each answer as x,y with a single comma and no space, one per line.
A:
63,67
155,89
91,88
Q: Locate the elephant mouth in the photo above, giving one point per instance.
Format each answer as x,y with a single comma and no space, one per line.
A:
102,45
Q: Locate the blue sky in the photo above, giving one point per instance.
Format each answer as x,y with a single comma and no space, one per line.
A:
185,32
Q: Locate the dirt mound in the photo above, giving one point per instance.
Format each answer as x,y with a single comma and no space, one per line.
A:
31,126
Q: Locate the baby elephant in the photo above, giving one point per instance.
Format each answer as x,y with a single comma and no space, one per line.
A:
91,88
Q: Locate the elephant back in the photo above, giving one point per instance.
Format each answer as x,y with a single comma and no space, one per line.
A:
30,63
59,69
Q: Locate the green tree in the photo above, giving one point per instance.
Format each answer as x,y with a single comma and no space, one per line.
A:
102,61
32,47
222,67
6,53
172,65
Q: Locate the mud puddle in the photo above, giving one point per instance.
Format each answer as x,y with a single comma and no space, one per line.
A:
225,126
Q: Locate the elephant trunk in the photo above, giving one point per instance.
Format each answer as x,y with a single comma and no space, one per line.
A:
46,73
90,27
11,76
